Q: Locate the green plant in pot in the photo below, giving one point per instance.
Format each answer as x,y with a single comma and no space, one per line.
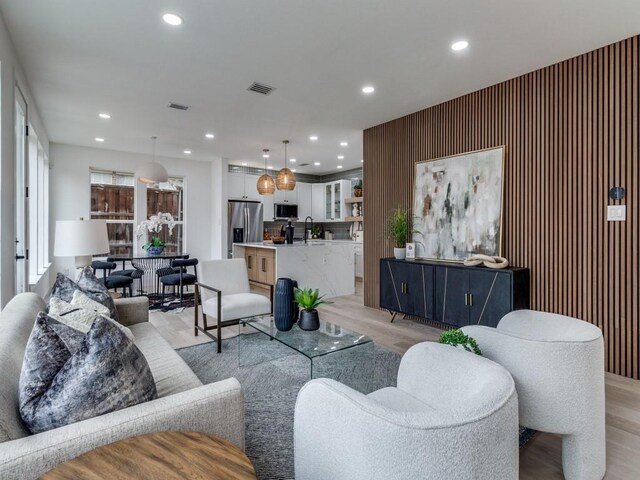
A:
357,189
457,338
397,229
309,300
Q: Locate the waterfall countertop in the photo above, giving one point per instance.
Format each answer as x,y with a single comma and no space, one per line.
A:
326,265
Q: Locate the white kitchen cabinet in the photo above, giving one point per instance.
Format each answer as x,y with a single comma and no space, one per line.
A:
267,207
317,202
241,186
285,196
335,194
359,261
304,200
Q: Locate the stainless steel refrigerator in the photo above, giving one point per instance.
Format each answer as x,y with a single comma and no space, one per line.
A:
245,222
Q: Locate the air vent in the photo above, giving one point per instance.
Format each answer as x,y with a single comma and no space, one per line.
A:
177,106
261,88
303,164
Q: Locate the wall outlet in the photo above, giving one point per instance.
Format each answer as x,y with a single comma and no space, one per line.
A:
616,213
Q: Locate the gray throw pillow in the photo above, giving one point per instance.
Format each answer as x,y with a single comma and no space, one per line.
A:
64,381
87,283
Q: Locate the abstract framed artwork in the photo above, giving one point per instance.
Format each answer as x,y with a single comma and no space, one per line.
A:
457,205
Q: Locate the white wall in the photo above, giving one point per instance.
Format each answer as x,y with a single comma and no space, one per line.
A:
10,73
70,192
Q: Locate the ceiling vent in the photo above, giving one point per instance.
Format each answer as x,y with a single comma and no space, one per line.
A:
260,88
303,164
177,106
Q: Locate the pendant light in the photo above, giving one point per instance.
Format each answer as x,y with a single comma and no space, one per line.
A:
285,180
152,172
265,184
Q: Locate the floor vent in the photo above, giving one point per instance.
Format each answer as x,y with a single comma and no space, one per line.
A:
260,88
177,106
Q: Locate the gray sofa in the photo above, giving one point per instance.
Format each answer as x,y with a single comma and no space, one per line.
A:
183,403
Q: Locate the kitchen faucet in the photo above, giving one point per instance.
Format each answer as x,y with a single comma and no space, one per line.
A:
305,227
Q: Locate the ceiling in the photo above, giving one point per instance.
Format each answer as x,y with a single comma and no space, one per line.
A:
118,56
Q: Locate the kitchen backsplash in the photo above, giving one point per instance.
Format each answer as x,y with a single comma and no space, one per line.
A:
340,230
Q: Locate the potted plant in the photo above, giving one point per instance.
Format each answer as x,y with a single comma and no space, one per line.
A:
308,300
398,228
154,225
357,189
457,338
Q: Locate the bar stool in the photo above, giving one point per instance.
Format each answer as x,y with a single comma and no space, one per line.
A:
112,282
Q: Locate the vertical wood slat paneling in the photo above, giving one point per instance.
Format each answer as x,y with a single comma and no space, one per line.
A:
571,132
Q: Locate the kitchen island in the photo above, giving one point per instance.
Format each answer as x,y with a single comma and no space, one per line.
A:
326,265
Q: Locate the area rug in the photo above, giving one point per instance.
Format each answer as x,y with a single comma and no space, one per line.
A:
271,376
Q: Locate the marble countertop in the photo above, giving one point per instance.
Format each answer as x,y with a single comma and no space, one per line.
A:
310,243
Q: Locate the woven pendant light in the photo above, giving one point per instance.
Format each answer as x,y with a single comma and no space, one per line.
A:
285,180
265,184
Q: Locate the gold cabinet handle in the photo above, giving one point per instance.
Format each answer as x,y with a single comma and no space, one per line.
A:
471,299
466,299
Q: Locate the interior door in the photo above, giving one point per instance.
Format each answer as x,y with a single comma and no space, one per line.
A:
21,195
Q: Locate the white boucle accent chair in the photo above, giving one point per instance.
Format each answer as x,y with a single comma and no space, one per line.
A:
453,415
557,363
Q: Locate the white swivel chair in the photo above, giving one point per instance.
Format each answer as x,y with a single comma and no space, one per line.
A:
557,363
224,291
453,414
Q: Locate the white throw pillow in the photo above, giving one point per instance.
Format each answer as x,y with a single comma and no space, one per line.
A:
81,318
82,300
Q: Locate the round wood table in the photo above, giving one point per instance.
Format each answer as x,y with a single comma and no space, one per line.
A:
162,455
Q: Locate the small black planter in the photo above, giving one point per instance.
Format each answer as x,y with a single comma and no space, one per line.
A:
309,320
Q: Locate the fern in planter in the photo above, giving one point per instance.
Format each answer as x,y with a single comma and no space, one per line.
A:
458,337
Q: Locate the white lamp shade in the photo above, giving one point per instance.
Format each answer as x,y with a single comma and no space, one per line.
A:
152,172
78,238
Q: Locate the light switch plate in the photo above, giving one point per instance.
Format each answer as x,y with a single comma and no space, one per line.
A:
616,213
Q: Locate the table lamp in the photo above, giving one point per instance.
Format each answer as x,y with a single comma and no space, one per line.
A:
81,239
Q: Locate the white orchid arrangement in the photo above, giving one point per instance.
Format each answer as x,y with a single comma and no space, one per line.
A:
154,225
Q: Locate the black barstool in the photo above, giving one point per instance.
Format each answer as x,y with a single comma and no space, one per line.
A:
179,279
112,282
134,273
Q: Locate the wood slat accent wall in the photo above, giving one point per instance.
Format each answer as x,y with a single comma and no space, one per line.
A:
571,132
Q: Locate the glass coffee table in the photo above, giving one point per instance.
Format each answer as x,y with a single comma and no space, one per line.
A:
333,351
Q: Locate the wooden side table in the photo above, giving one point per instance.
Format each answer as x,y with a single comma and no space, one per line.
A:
161,455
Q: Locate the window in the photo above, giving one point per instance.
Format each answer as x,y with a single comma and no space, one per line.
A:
169,197
112,199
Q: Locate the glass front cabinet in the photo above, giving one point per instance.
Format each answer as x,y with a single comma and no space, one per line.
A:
335,194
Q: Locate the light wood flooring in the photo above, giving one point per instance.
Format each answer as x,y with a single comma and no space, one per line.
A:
539,459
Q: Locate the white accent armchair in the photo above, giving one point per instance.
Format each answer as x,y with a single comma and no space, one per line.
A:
557,363
225,293
453,415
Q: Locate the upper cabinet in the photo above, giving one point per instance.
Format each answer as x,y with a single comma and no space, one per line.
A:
304,200
285,196
241,186
317,202
335,194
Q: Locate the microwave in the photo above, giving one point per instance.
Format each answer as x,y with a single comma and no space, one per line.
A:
283,211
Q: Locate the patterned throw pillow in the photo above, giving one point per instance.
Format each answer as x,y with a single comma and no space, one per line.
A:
81,313
89,284
63,383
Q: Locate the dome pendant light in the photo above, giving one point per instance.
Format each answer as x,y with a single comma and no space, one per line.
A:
285,180
152,172
265,184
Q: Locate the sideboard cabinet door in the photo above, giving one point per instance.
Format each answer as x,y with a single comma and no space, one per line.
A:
490,298
452,285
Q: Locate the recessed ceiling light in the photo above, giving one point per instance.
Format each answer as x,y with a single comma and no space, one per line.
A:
340,157
368,89
361,161
343,144
209,135
293,169
98,139
460,45
270,167
317,164
313,138
244,164
106,116
188,152
172,19
339,167
293,160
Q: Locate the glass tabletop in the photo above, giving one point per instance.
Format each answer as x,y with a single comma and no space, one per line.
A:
329,338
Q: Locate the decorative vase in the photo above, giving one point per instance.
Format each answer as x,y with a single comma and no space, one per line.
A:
155,251
400,253
357,192
283,311
296,307
309,320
